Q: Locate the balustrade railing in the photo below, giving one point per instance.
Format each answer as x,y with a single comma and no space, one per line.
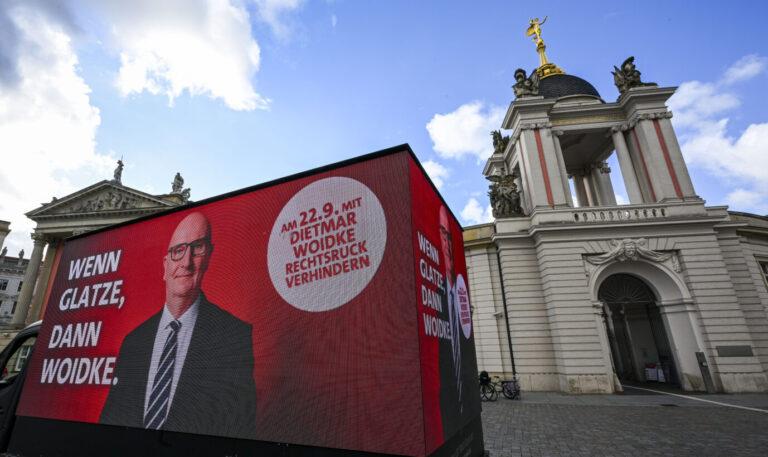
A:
618,214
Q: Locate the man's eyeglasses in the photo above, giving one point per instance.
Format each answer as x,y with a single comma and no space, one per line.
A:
446,234
197,248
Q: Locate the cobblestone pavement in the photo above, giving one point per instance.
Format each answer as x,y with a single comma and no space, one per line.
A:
548,424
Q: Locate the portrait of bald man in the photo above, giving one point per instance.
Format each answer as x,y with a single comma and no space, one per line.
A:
459,400
189,367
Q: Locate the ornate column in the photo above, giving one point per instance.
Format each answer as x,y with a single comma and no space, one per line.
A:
539,165
667,136
602,178
25,296
556,134
589,186
601,318
631,344
45,277
627,169
664,179
4,231
612,339
580,189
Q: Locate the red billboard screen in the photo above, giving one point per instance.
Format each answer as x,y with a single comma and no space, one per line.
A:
330,309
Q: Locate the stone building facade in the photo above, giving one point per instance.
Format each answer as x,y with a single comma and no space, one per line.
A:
105,203
574,293
11,277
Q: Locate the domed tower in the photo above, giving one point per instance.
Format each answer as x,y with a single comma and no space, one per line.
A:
563,130
593,292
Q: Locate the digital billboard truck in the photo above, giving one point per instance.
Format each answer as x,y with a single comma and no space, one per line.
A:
326,313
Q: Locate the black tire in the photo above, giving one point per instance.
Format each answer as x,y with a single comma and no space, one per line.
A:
494,394
483,392
508,391
487,392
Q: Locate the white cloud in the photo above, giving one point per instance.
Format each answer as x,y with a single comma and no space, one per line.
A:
334,20
473,213
747,67
47,123
744,157
436,172
621,200
741,198
465,131
202,46
741,158
695,100
273,12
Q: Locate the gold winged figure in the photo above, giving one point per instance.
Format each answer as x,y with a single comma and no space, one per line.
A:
535,29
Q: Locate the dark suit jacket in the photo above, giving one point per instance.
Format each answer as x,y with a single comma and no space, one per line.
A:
455,415
215,395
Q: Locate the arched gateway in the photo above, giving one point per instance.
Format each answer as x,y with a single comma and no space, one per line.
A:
640,347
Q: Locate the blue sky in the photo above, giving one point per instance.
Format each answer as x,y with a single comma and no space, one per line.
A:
232,93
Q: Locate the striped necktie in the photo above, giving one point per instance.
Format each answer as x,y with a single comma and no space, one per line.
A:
157,410
454,313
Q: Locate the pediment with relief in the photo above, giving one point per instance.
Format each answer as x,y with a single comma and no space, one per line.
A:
102,197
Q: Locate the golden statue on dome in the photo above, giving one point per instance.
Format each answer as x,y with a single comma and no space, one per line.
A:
546,68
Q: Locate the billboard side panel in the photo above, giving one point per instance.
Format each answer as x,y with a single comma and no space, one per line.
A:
448,364
282,314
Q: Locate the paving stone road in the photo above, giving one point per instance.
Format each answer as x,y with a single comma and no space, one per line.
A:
548,424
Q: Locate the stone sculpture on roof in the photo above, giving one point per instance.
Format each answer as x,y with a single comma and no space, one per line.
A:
504,196
526,85
628,76
176,188
499,142
119,172
177,184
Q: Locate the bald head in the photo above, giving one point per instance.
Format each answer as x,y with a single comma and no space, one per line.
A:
446,243
192,227
186,262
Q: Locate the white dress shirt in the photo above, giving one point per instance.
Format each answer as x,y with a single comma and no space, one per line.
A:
187,320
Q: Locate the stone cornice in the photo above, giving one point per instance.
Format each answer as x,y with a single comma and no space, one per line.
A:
521,127
103,213
521,110
14,271
651,93
47,208
494,159
38,238
637,117
532,125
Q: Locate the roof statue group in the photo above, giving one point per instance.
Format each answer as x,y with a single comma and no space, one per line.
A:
625,77
628,76
4,252
176,186
504,194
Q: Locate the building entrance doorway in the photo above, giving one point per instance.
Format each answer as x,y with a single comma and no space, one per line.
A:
640,347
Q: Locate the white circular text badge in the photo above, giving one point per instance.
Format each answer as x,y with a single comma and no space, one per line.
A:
327,244
465,315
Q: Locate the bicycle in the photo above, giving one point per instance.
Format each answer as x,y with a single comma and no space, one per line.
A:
510,389
487,390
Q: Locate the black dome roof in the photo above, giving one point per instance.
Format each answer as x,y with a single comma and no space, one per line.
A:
561,85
